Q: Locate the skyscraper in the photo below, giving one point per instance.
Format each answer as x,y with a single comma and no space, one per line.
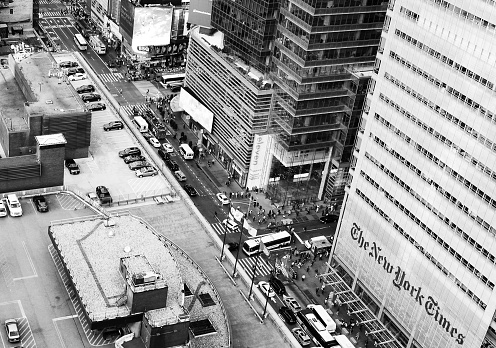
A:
417,231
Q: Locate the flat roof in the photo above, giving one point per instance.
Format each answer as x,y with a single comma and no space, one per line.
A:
53,95
12,101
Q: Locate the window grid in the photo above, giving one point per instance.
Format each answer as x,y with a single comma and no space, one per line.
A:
432,234
431,258
446,60
409,14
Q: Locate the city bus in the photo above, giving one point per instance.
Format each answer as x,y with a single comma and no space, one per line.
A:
344,342
186,151
169,80
321,314
97,45
80,42
315,328
271,241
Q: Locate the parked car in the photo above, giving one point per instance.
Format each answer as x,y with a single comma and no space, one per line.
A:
130,151
74,71
190,190
222,198
232,246
175,89
91,97
93,198
68,64
40,203
111,333
154,142
72,166
301,336
159,200
138,165
145,171
96,106
103,194
15,208
85,89
172,165
12,329
266,289
287,314
329,218
167,147
291,303
3,209
180,175
133,158
77,77
113,125
163,154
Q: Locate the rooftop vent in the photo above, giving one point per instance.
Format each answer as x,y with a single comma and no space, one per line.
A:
201,328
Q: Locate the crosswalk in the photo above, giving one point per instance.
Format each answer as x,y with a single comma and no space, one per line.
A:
220,230
263,266
128,109
111,77
49,2
52,14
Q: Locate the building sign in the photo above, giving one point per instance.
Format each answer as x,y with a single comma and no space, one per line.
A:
259,166
126,20
401,283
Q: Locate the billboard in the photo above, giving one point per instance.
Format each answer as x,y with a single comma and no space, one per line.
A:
260,161
200,12
152,26
197,111
126,21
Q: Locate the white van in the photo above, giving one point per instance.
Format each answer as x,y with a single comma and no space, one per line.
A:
14,205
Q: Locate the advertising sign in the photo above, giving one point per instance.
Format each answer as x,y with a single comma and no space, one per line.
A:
259,164
126,21
200,12
152,26
196,110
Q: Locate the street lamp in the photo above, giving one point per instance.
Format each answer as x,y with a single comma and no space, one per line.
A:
224,239
239,247
255,267
266,302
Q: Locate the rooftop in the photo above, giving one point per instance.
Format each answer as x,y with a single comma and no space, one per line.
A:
49,93
216,43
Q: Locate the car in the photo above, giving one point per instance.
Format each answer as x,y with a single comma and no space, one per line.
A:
329,218
68,64
133,158
12,329
74,71
113,125
3,209
129,151
222,198
15,208
172,165
301,336
163,154
190,190
154,142
85,89
138,165
91,97
96,106
266,288
159,200
111,333
40,203
145,171
287,314
93,198
111,64
278,286
286,221
103,194
175,89
291,303
147,135
77,77
232,246
180,175
72,166
168,147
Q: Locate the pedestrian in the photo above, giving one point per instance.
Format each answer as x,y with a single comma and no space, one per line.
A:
316,291
215,213
322,287
308,269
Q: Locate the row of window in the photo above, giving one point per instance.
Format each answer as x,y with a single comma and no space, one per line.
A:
464,14
450,63
433,158
447,142
431,258
450,197
409,14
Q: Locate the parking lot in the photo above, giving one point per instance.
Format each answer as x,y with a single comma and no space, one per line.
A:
46,317
103,166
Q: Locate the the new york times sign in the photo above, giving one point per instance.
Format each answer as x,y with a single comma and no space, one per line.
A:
402,283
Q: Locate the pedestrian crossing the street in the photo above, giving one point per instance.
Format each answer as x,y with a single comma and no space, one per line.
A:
263,266
128,109
111,77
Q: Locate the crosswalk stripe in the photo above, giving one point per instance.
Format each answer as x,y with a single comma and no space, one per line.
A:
111,77
141,108
263,267
52,14
49,2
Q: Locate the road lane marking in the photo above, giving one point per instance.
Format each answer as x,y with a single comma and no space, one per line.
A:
66,317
